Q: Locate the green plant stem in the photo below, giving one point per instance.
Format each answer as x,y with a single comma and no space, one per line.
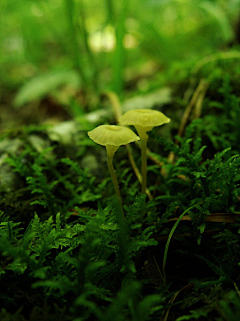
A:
119,55
168,242
144,162
114,180
110,10
48,20
85,37
70,9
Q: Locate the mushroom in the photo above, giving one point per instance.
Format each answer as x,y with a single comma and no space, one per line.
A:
143,120
113,137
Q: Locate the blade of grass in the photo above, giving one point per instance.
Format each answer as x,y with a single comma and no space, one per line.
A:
119,55
49,21
85,37
73,35
110,11
168,242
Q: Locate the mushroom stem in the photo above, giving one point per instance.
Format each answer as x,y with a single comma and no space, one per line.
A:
112,137
143,120
144,138
144,162
114,180
113,176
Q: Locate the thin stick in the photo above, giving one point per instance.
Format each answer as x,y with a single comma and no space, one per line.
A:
187,112
198,106
202,62
115,104
189,107
171,301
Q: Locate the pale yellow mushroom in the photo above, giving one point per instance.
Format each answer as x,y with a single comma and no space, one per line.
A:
143,120
112,137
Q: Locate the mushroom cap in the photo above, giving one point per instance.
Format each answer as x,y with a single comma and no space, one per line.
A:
112,135
144,117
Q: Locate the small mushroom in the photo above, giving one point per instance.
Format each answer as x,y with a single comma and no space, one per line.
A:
113,137
143,120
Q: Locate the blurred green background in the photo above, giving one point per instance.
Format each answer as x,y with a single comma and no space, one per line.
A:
66,48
